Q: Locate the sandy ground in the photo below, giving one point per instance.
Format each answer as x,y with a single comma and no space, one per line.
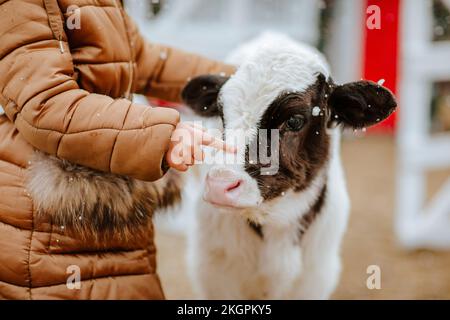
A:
370,168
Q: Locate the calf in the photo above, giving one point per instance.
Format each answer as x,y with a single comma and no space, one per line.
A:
277,235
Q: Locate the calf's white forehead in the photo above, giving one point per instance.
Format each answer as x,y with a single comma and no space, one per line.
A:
272,68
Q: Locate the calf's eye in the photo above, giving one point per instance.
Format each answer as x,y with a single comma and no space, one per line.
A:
295,123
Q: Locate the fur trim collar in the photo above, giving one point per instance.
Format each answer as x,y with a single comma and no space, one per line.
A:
93,203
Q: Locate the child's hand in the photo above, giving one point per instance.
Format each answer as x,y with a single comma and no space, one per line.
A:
186,145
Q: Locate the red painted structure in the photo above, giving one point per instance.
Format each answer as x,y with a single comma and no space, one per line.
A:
381,51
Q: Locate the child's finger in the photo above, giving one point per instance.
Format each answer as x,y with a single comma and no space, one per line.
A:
176,162
198,153
193,125
175,156
181,167
217,143
188,155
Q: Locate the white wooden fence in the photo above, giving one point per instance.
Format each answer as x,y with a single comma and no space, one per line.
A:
423,62
215,27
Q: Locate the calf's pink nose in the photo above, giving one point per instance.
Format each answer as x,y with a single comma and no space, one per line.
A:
222,191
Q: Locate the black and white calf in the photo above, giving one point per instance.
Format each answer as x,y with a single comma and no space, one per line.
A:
277,236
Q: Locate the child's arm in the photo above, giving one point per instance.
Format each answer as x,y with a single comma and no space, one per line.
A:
163,71
41,97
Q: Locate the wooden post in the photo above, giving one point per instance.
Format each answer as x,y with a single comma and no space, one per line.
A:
381,50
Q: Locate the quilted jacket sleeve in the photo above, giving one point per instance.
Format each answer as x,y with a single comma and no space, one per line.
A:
163,71
41,97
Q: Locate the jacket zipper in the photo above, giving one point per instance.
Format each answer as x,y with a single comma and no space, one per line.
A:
130,63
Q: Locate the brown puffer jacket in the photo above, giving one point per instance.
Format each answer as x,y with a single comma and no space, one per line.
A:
65,92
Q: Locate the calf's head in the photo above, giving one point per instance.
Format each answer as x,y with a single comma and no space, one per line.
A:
289,90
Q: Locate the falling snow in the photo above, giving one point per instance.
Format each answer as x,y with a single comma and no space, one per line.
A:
316,111
163,55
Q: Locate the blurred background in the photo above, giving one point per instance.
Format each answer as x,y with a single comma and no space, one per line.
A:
398,172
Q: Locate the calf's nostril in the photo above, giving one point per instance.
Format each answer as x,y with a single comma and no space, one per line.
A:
233,186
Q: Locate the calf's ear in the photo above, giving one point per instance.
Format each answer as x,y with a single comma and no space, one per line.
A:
201,94
361,104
